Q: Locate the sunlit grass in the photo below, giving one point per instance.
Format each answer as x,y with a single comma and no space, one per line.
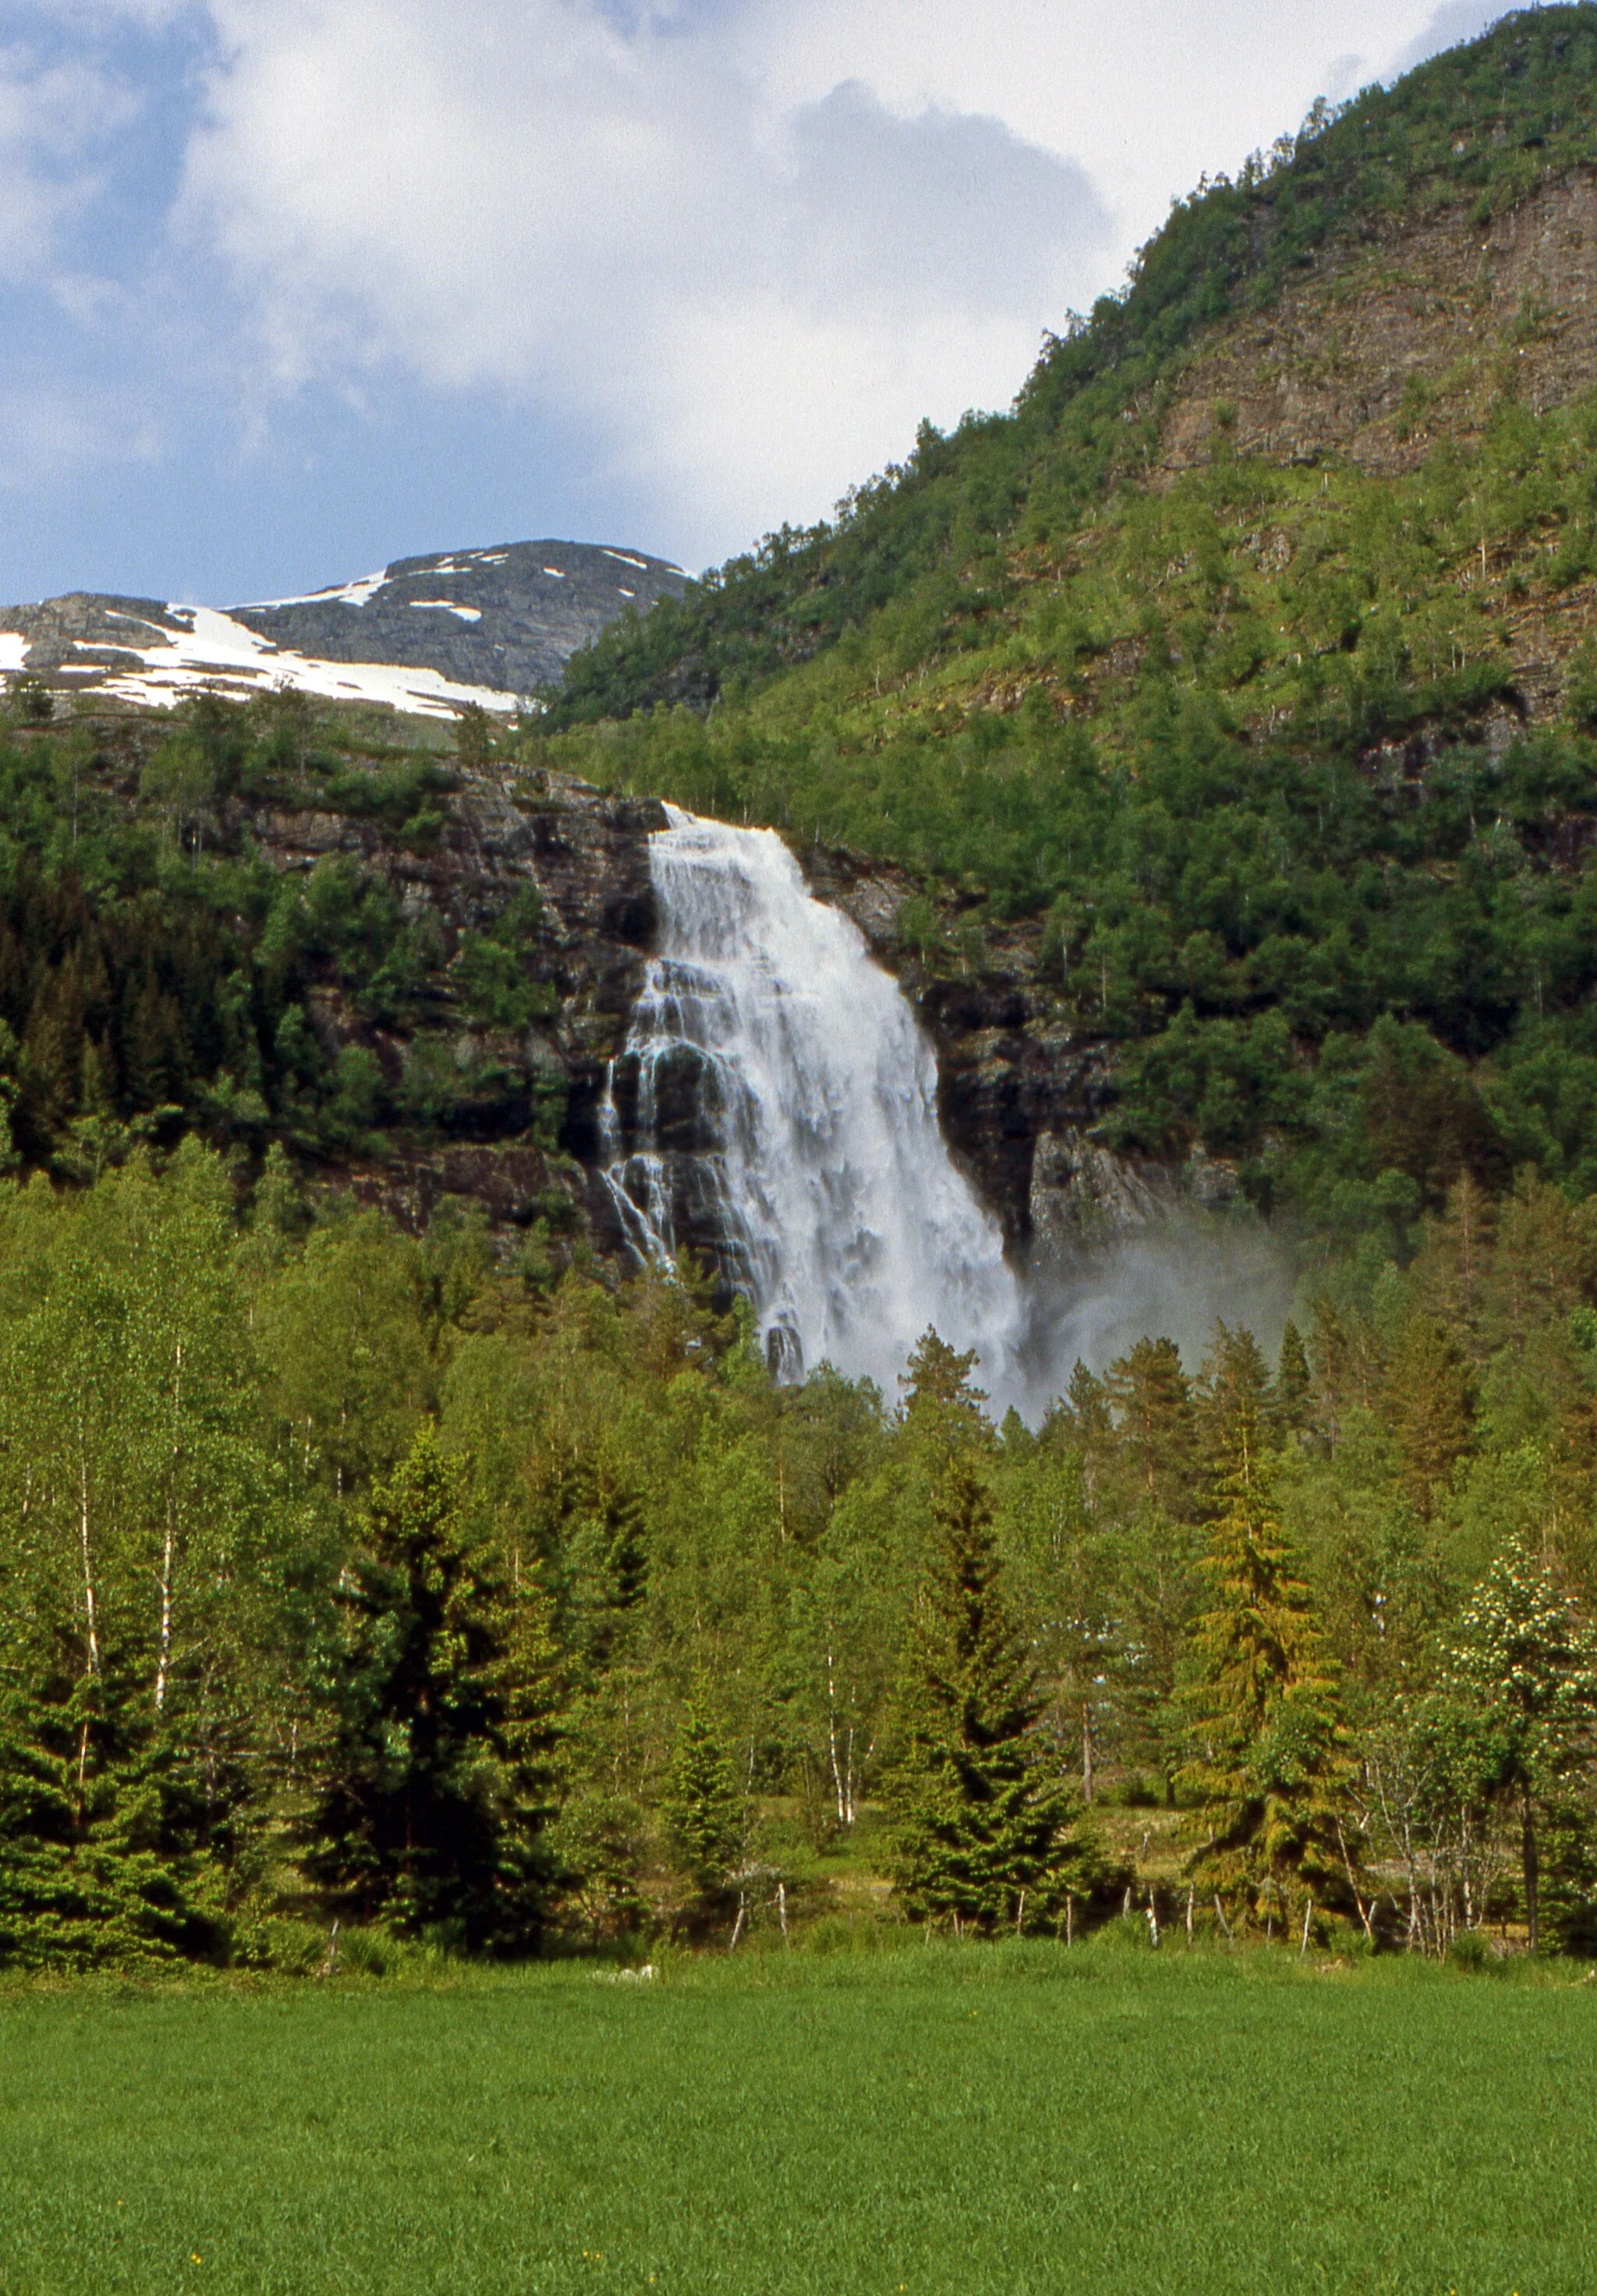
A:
1018,2118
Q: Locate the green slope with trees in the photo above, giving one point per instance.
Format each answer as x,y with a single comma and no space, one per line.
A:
348,1576
1241,745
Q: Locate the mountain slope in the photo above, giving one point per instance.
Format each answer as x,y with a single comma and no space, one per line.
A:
1461,143
1234,697
425,634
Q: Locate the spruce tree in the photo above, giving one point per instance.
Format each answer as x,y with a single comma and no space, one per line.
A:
979,1810
1294,1399
1429,1407
1152,1400
1271,1760
443,1774
1234,1398
707,1811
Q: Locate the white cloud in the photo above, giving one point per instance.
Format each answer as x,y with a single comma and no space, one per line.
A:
755,302
56,120
746,244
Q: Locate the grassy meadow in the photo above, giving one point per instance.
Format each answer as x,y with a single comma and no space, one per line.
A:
939,2121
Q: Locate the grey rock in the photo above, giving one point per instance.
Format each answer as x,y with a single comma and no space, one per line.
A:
506,619
1084,1198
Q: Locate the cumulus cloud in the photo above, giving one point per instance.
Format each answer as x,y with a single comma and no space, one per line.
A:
728,251
604,207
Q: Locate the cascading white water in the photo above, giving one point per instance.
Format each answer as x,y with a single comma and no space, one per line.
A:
777,1104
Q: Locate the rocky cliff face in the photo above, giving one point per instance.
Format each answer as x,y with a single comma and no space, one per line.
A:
1019,1093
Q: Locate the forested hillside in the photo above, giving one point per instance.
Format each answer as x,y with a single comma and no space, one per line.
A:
1222,723
1244,677
353,1576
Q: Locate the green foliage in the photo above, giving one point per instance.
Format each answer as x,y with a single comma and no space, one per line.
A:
979,1809
1532,1667
1272,1758
441,1775
158,978
635,1629
707,1813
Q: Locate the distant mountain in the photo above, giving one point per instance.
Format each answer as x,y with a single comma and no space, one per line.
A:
424,634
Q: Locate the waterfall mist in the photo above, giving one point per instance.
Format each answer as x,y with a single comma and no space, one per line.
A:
774,1110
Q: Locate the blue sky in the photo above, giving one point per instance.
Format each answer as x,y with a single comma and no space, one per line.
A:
292,288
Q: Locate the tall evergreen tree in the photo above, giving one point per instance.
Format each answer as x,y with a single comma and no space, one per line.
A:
979,1811
1152,1402
707,1811
1234,1399
443,1774
1428,1404
1294,1400
1271,1757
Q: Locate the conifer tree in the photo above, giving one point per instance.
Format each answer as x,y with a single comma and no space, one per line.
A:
1152,1400
1428,1402
442,1775
1270,1760
942,1406
979,1811
707,1811
1294,1388
1234,1399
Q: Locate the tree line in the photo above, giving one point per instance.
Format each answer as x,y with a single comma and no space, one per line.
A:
413,1584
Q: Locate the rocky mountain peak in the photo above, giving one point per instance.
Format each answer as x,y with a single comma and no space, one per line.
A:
423,635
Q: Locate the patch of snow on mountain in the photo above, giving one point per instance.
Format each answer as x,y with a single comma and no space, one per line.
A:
13,650
627,559
447,606
218,652
344,594
555,571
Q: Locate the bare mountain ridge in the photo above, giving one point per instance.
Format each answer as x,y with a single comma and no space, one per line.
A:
425,634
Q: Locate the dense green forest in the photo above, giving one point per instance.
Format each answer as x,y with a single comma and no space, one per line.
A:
361,1577
159,976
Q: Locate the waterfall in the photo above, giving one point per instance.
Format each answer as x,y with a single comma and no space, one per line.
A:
774,1107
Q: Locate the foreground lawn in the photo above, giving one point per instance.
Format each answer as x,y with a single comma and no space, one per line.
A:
944,2122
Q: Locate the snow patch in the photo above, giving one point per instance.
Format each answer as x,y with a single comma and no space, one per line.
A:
627,559
13,650
447,606
345,593
555,571
216,650
627,593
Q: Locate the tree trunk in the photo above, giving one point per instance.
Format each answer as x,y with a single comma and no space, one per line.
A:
1533,1871
1086,1750
164,1655
93,1638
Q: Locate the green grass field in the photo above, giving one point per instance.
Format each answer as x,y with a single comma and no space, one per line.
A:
958,2121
